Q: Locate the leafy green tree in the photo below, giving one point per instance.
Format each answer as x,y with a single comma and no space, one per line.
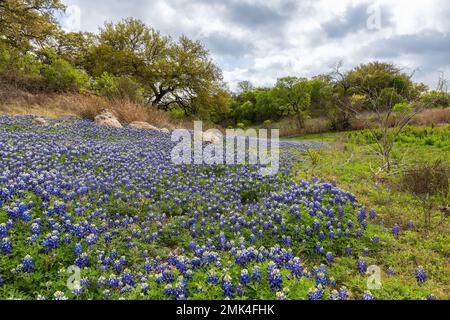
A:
122,48
213,105
25,24
254,106
267,106
122,88
245,86
383,83
104,58
294,97
246,112
14,63
373,78
436,99
321,95
172,74
73,46
387,92
60,74
185,73
387,98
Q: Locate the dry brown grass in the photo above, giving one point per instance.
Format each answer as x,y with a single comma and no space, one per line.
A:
25,106
14,101
289,126
88,107
361,123
427,178
428,117
432,117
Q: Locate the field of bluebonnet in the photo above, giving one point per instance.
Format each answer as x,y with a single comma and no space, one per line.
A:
110,202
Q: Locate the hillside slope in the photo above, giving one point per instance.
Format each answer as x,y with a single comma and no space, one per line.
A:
15,101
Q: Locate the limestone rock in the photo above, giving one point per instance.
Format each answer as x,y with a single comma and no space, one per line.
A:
143,125
107,119
40,121
209,137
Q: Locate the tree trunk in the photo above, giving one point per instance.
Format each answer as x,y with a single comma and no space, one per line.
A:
300,121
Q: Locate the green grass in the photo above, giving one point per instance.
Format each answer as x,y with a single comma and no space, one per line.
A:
321,137
350,160
15,127
437,137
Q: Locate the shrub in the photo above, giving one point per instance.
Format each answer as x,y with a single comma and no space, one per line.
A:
439,137
123,87
429,182
436,99
267,124
388,97
402,107
62,76
14,62
105,85
177,114
427,178
314,155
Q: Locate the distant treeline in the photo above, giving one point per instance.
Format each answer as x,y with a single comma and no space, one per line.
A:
338,95
131,61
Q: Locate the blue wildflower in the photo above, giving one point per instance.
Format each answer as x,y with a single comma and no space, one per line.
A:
343,293
82,261
213,278
330,257
6,246
367,295
275,278
256,274
227,287
78,249
421,275
396,230
316,293
334,295
244,278
362,265
28,264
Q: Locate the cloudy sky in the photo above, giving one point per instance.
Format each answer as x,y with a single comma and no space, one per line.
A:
262,40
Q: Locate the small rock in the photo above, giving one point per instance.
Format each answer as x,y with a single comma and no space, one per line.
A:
107,119
209,137
165,130
40,121
143,125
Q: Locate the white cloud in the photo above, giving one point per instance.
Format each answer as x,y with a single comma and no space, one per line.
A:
261,40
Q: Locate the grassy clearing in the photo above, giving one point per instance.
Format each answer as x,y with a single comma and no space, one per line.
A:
350,161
